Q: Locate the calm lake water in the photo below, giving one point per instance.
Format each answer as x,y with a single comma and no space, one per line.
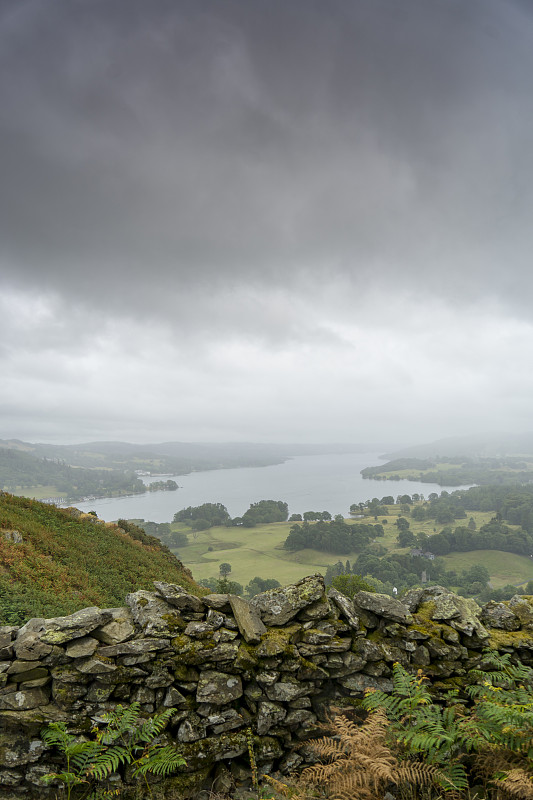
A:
307,483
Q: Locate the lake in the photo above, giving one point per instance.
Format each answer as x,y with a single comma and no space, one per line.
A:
307,483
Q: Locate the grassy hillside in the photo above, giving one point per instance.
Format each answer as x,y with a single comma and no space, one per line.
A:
55,561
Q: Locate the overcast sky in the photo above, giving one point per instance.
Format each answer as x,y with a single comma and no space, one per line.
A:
265,220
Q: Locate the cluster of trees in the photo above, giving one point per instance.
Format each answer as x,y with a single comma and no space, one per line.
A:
336,536
209,515
224,585
404,571
200,518
263,512
311,516
513,505
492,536
162,486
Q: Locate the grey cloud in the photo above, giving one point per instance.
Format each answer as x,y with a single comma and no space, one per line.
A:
151,149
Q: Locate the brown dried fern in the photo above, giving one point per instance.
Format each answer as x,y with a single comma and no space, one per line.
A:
517,783
505,770
358,763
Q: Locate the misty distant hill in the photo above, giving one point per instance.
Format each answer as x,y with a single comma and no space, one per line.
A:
481,445
179,457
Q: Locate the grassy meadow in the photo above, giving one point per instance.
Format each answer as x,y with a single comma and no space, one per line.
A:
259,551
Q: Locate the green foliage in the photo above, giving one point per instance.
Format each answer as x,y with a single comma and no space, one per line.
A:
420,727
265,511
222,585
258,585
126,740
202,517
67,561
336,536
349,585
494,734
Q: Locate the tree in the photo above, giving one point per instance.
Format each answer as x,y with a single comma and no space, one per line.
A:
225,569
406,538
258,585
206,515
402,524
349,585
265,511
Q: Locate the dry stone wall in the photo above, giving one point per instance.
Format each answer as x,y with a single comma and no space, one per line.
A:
273,665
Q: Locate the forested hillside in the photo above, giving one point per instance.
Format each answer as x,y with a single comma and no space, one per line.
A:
55,561
20,470
455,470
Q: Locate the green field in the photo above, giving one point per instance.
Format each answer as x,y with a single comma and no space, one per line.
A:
503,567
259,551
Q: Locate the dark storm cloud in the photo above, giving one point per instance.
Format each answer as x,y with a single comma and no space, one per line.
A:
152,149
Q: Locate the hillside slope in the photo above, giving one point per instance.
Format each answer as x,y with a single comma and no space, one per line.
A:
56,561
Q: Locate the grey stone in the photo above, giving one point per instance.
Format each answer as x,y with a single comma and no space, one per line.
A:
23,700
278,606
17,749
248,620
35,683
382,606
191,729
81,647
345,606
220,602
334,645
498,615
316,611
523,609
154,615
298,716
134,647
63,629
284,692
143,694
98,692
174,698
313,636
200,630
94,666
377,669
35,775
177,596
218,688
20,666
359,683
12,536
65,694
227,720
421,657
8,777
119,629
29,647
31,675
268,715
267,677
